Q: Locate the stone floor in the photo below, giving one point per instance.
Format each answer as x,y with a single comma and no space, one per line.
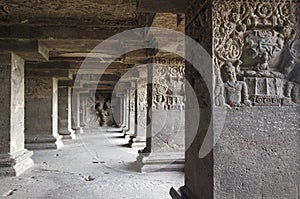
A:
95,165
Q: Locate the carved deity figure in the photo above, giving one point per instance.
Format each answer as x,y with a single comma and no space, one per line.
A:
92,118
159,102
265,64
235,92
106,118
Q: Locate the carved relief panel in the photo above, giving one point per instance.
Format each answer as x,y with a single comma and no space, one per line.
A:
168,81
256,52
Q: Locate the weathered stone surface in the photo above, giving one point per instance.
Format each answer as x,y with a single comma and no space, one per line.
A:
255,149
14,159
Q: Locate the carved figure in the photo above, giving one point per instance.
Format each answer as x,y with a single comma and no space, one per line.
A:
235,92
92,117
265,64
159,102
106,117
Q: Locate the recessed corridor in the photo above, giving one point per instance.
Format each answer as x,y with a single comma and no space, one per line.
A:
95,165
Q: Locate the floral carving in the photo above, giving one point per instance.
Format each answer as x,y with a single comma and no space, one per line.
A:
168,73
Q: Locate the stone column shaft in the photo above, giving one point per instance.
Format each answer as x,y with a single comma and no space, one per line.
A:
132,113
41,113
126,111
139,138
14,159
75,111
64,113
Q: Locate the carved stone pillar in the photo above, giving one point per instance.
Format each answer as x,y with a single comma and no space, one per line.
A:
125,125
14,159
83,106
64,113
132,111
139,138
75,112
254,110
165,131
116,106
120,108
41,113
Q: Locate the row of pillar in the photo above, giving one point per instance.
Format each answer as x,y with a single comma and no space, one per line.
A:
37,113
152,114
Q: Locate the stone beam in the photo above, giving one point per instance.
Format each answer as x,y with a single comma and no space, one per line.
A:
47,73
95,78
76,65
27,49
108,71
98,86
162,6
104,77
32,31
77,45
73,83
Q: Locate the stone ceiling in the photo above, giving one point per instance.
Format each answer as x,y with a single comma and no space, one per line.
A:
55,36
104,12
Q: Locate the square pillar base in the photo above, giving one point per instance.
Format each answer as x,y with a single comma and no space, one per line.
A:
14,165
137,142
67,134
41,142
152,162
76,129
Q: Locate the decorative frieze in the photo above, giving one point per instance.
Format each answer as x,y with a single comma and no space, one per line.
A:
168,76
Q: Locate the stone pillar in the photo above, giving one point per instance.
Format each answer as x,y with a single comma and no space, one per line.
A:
41,113
122,108
117,109
165,130
75,112
139,138
14,159
254,115
132,111
82,97
126,111
64,113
